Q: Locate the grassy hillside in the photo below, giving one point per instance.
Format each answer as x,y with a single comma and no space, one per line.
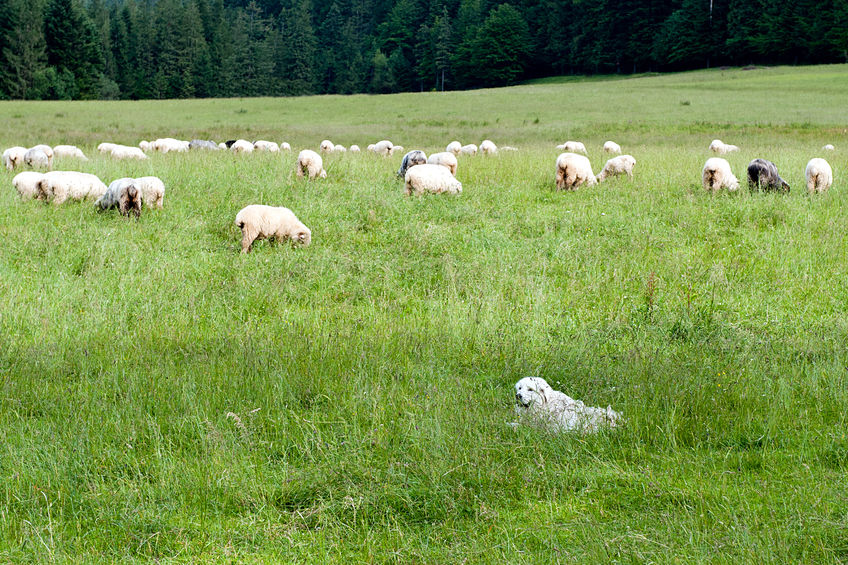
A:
163,397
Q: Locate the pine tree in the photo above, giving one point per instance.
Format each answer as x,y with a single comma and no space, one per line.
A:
73,45
23,53
502,47
297,62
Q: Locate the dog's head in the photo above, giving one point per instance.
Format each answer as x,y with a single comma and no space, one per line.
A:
532,390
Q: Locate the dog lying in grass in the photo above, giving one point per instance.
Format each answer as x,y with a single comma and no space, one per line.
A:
537,403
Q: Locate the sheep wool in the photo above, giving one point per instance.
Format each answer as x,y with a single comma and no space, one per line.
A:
414,157
819,175
59,186
122,194
572,171
268,222
37,159
621,165
454,147
14,157
26,184
311,163
434,179
469,149
445,159
487,147
612,147
717,175
69,151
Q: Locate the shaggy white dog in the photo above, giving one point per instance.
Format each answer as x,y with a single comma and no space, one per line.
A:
537,401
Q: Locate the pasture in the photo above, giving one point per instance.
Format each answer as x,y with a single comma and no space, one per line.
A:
163,397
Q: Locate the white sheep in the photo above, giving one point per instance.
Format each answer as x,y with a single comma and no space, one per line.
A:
573,170
339,149
355,149
144,145
717,175
431,178
384,148
829,147
26,184
612,147
445,159
371,147
819,175
454,147
269,146
106,147
621,165
469,149
326,146
122,194
69,151
508,148
285,146
14,157
152,189
487,147
241,146
58,186
222,145
310,162
122,152
169,144
260,222
37,159
722,148
572,147
396,149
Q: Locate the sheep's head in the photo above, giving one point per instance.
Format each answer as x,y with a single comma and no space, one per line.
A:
322,174
302,236
784,186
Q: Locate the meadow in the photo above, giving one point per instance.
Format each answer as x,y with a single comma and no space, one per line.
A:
165,398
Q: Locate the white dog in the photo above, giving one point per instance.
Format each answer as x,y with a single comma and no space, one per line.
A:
535,398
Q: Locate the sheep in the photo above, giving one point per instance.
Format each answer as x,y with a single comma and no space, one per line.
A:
241,146
151,189
414,157
37,159
371,147
717,175
721,148
47,150
69,151
168,144
268,222
58,186
262,145
508,148
445,159
229,143
612,147
573,170
572,147
487,147
763,175
285,146
384,148
355,149
819,175
623,164
431,178
829,147
469,149
339,149
26,184
14,157
203,144
396,149
144,145
326,146
122,194
106,147
222,145
310,162
122,152
454,147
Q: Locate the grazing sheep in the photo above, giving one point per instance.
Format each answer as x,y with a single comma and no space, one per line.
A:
454,147
819,175
285,146
310,162
122,152
371,147
14,157
623,164
241,146
151,189
612,147
169,144
69,151
509,148
397,149
431,178
222,145
58,186
26,184
203,144
269,146
144,145
355,149
572,170
414,157
37,159
829,147
384,148
229,143
445,159
123,195
717,175
469,149
487,147
538,403
572,147
260,222
47,150
721,148
339,149
763,175
326,146
106,147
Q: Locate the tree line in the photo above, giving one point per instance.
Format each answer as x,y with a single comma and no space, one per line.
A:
136,49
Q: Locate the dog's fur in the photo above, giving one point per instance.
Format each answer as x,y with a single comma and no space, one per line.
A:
537,402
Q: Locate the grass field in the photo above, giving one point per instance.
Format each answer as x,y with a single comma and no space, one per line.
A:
163,397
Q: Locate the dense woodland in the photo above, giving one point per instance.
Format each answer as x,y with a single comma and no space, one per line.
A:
67,49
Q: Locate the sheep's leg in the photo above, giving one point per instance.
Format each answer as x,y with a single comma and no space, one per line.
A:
299,170
247,239
560,179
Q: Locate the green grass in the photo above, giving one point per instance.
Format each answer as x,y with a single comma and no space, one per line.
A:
163,397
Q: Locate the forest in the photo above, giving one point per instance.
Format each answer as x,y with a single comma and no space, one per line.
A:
141,49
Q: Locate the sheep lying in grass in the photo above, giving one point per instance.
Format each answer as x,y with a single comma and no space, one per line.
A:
469,149
488,147
122,152
311,163
435,179
260,222
612,147
355,149
125,196
269,146
763,175
240,146
26,184
203,144
537,403
38,159
14,157
445,159
69,151
59,186
717,175
720,147
572,171
621,165
384,148
454,147
572,147
819,175
414,157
